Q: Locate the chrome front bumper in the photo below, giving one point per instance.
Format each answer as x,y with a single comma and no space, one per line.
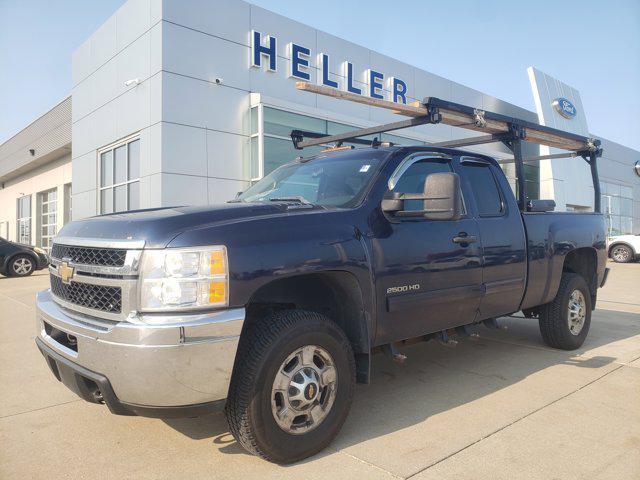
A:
184,363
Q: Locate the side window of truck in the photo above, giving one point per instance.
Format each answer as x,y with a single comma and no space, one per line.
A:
485,188
412,180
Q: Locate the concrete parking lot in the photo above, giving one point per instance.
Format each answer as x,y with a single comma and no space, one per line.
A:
502,406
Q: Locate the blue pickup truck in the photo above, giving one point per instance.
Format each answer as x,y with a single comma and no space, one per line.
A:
273,303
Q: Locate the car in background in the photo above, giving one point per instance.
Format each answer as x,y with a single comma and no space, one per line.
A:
18,260
624,248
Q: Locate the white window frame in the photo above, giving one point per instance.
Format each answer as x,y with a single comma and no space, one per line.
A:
67,203
54,212
112,147
27,221
259,135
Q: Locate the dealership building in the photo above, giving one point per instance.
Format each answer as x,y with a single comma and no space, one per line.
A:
189,102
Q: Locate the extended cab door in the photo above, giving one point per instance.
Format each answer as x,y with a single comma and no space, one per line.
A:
427,279
503,239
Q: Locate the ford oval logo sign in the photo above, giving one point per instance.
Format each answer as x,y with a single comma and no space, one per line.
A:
564,107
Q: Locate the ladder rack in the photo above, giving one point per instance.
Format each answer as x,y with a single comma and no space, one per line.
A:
496,127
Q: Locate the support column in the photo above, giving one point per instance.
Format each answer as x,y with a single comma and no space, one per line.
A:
597,200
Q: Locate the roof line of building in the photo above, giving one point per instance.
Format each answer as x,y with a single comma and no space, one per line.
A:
35,120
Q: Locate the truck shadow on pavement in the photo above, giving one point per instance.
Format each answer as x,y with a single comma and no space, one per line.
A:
436,379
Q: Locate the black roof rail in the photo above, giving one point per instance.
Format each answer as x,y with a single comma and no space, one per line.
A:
511,131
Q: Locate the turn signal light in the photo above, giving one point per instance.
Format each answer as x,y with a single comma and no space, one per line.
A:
218,292
217,262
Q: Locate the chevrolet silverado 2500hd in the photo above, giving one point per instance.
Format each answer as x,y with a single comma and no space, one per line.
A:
275,300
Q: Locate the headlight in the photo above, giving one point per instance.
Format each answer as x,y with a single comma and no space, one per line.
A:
184,279
39,250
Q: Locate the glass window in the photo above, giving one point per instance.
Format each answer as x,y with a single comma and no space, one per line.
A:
412,181
279,122
278,151
120,198
119,177
335,180
532,181
120,164
134,159
277,146
48,218
24,220
106,168
254,120
396,140
134,195
617,206
106,201
254,161
485,189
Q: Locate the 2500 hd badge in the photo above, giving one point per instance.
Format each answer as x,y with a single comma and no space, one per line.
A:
403,288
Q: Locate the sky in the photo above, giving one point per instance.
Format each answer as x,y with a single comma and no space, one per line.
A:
591,45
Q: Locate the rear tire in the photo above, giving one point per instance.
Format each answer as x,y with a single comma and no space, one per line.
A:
292,386
564,322
21,266
621,254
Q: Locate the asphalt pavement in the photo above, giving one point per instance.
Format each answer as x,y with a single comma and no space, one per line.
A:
502,406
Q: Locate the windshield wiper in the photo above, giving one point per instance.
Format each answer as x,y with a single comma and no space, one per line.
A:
297,199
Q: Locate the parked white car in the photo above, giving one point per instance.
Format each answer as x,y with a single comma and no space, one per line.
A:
624,248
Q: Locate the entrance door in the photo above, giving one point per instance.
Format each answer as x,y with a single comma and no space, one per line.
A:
425,281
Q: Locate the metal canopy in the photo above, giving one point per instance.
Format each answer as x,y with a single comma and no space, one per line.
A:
496,128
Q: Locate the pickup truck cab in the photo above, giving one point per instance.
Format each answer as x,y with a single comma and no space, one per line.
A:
276,300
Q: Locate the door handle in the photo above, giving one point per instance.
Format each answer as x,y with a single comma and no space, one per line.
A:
463,238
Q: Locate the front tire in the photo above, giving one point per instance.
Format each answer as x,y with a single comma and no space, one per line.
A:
564,322
621,254
21,266
292,386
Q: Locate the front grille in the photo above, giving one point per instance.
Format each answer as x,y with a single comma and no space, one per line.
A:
104,257
98,297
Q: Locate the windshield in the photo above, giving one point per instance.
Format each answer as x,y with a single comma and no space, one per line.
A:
336,181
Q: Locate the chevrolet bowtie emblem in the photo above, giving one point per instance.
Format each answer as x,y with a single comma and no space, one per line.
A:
66,272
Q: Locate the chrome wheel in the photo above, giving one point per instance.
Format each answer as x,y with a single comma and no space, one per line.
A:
621,254
22,266
304,390
577,312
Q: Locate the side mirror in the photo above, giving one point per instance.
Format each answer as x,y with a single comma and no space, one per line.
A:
393,203
442,197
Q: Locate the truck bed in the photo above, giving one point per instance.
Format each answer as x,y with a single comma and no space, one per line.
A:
550,236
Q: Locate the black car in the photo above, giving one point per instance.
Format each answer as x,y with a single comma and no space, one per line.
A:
18,260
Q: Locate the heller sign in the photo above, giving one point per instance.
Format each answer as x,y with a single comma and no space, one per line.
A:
264,48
